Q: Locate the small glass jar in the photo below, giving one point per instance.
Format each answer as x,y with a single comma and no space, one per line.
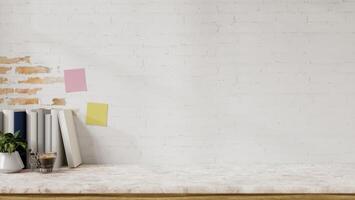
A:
46,161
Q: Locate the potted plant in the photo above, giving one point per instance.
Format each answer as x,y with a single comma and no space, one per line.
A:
10,160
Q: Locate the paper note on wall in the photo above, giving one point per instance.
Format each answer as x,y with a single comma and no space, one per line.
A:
96,114
75,80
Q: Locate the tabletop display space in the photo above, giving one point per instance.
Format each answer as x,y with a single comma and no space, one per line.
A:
258,178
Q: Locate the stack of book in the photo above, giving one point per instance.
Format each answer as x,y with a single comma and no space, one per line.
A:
45,130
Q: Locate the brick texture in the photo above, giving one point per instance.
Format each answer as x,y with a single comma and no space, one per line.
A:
58,101
22,101
21,88
3,80
42,80
4,70
28,91
32,70
14,60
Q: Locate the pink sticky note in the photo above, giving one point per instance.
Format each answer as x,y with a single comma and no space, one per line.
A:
75,80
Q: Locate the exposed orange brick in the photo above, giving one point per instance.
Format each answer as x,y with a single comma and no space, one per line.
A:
4,70
32,70
23,101
6,91
28,91
6,60
3,80
58,101
44,80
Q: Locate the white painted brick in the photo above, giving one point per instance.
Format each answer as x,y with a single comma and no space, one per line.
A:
203,81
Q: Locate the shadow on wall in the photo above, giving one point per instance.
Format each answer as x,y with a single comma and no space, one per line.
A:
94,148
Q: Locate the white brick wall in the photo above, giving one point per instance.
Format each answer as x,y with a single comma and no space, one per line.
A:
202,81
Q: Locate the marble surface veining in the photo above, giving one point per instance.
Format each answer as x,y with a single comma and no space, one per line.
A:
258,178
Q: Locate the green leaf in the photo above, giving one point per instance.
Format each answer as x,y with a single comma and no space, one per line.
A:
11,142
8,135
6,147
23,145
12,148
17,134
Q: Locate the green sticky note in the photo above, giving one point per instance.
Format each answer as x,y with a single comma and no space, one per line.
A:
96,114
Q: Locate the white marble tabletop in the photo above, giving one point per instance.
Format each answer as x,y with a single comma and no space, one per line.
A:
258,178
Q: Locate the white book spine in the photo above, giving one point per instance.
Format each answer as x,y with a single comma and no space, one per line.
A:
70,140
40,131
48,134
57,141
1,121
32,131
8,121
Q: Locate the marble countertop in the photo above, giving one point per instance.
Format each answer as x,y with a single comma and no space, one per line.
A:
258,178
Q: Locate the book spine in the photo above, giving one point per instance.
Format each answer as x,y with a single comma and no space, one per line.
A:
57,141
40,131
1,122
70,140
48,134
31,133
8,121
20,124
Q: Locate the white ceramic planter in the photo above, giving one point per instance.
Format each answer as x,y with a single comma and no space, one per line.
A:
10,162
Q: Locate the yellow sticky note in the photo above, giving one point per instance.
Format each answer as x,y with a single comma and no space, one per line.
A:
96,114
